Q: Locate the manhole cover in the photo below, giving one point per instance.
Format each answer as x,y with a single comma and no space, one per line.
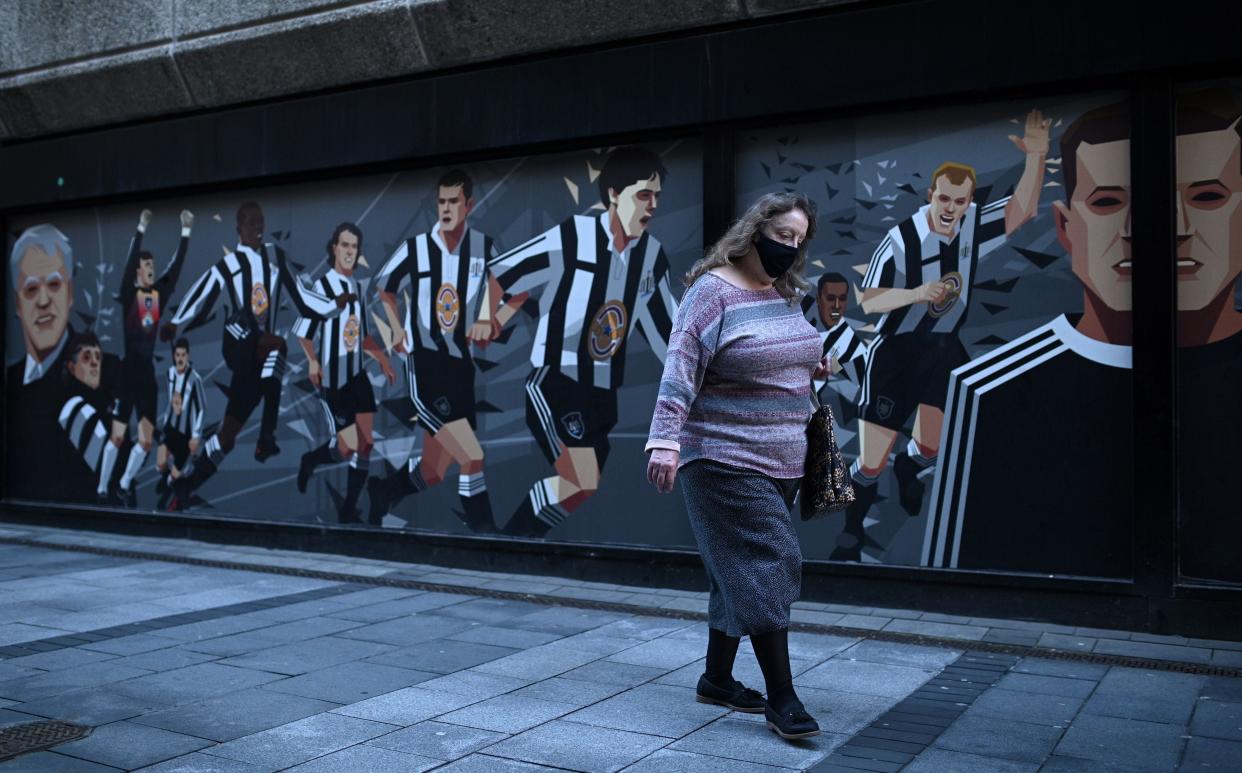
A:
36,736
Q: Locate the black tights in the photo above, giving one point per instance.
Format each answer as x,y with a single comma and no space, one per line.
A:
772,652
721,652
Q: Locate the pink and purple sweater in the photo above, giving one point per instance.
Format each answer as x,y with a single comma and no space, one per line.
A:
737,380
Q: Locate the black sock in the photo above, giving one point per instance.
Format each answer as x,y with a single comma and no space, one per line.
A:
478,513
721,652
772,652
203,469
270,389
322,455
524,523
353,486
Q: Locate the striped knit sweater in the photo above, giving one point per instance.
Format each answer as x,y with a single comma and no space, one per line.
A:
737,380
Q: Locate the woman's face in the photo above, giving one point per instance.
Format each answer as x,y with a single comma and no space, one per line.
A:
788,229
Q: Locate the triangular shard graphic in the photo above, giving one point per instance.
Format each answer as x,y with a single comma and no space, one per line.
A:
997,286
1040,259
991,341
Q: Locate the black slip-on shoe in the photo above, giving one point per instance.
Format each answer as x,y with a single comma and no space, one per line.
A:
792,725
737,696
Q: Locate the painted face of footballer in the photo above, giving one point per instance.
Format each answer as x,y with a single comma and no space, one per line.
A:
1209,216
1095,227
636,204
345,252
948,203
85,367
452,206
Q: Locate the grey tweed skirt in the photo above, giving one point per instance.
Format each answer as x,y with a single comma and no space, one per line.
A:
745,535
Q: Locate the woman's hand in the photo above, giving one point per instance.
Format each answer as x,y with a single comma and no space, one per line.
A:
662,469
823,368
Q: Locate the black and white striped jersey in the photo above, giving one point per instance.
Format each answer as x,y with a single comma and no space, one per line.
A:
339,338
847,348
1036,463
591,297
86,415
843,343
251,282
446,288
187,402
912,254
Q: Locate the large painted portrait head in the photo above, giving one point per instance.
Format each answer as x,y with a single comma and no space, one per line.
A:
1093,223
41,272
1209,199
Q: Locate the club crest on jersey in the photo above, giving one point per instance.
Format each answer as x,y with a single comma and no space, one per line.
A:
965,250
884,407
574,425
352,328
448,306
476,266
442,405
259,301
647,285
955,282
150,311
607,331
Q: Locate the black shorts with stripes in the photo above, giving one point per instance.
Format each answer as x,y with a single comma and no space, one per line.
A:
905,371
442,388
344,404
560,410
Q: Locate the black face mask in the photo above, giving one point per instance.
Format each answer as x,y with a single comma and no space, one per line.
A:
775,256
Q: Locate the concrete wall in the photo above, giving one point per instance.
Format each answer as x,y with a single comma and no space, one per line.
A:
70,65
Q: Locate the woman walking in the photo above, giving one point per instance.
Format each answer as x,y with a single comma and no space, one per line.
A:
730,421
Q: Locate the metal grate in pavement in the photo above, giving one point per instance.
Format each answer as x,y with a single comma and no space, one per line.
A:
396,580
37,736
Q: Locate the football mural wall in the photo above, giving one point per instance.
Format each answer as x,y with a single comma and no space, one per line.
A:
400,419
478,348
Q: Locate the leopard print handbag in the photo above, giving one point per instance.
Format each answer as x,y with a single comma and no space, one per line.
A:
826,485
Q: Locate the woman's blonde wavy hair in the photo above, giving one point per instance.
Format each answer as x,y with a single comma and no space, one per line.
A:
741,235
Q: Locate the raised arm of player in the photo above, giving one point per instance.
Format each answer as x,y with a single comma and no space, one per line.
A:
1024,203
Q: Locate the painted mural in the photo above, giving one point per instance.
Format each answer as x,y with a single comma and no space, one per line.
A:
477,349
972,288
1209,328
468,349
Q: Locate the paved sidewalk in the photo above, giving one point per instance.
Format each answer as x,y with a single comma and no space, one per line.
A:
907,623
179,666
